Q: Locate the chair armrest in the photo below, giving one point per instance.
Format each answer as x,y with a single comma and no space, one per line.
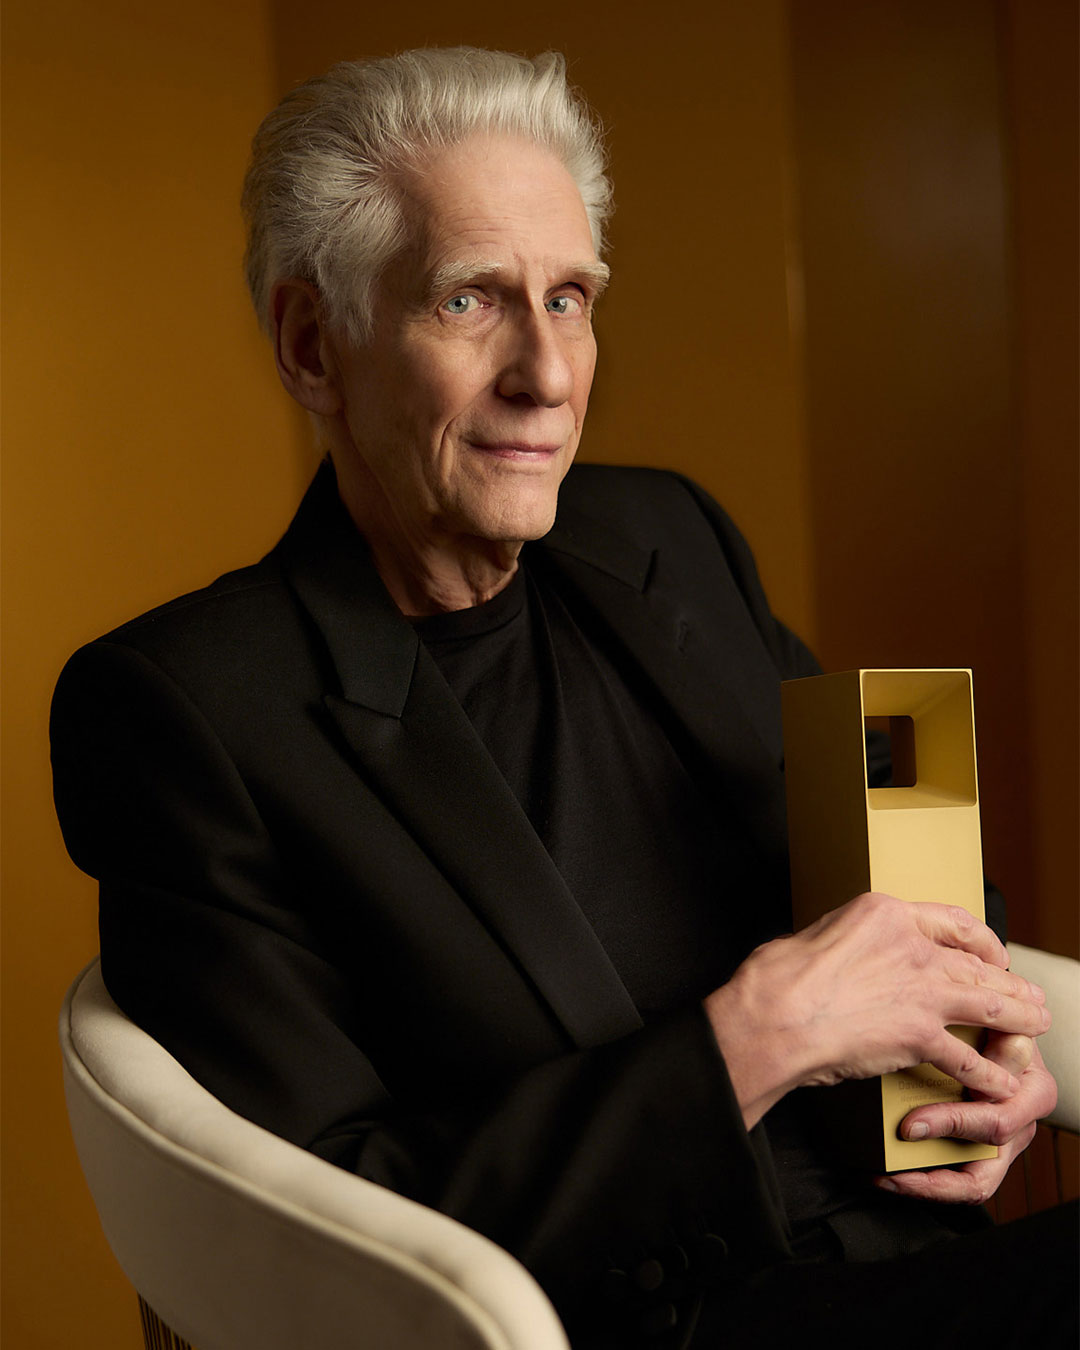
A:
1060,1046
242,1241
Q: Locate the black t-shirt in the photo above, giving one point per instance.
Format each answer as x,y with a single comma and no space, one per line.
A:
632,833
647,844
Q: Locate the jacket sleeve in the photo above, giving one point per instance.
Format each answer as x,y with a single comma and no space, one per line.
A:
577,1162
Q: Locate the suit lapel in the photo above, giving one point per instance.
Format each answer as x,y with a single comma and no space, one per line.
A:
413,743
691,634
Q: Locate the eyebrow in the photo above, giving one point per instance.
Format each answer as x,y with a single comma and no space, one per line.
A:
454,274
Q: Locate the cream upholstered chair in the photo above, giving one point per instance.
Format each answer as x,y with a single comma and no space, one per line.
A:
1060,1046
238,1240
1046,1172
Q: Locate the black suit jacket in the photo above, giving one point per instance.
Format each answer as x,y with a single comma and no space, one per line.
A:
318,892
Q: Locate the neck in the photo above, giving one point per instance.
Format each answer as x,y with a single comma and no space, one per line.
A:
427,571
434,580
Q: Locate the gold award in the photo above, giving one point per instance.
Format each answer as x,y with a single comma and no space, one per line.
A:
917,839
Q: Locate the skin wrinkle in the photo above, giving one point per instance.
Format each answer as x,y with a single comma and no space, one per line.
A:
450,430
448,511
450,276
832,994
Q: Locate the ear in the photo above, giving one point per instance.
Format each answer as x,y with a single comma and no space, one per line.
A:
301,348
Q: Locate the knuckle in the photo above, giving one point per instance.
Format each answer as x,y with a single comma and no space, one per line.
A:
951,1123
978,1194
876,899
994,1006
920,950
873,904
1000,1132
968,1061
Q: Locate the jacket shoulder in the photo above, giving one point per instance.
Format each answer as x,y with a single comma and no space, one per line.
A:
222,636
666,511
655,507
231,591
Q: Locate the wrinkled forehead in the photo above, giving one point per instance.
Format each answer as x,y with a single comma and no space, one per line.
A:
491,195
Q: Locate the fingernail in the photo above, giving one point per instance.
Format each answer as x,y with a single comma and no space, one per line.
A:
918,1131
884,1184
1037,991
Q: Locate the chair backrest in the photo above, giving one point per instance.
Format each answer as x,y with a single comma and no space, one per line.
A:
242,1241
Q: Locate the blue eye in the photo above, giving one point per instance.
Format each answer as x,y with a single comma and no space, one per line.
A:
461,304
564,304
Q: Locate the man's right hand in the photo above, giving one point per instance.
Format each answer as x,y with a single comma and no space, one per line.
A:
869,988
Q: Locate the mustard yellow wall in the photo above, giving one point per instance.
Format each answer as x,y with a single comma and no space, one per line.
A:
1041,96
145,449
936,153
147,446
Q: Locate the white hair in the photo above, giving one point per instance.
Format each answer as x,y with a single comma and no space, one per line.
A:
322,195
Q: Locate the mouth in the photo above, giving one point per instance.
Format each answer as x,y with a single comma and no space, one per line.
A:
525,451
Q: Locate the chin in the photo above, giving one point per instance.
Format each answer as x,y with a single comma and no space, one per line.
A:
526,516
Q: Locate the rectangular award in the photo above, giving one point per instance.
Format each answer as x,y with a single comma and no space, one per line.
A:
917,839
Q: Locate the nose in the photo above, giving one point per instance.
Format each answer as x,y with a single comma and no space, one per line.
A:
537,366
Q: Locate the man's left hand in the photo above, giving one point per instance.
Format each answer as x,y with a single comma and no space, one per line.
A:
1009,1124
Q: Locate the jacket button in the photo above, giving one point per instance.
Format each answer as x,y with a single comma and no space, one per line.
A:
710,1254
615,1287
649,1275
658,1320
676,1262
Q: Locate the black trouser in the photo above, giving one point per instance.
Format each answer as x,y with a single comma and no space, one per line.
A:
1014,1285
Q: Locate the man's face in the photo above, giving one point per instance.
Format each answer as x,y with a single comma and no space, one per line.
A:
465,408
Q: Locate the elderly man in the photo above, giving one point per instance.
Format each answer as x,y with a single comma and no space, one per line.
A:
448,840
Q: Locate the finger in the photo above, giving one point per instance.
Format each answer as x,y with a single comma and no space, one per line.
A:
972,1184
952,926
980,1122
987,1122
964,1063
966,968
1011,1052
979,1005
